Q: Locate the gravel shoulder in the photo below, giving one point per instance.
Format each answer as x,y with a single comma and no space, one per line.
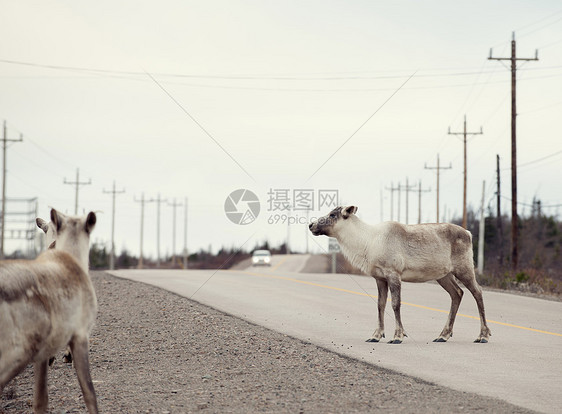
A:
152,351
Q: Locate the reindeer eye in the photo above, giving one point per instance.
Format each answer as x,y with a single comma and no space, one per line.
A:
332,216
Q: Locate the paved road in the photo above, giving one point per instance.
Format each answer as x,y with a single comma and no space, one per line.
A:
279,262
522,363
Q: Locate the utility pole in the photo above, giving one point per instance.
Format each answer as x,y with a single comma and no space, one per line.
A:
185,256
158,201
514,218
174,205
77,183
438,168
464,134
499,220
420,191
408,189
5,141
392,189
142,201
112,253
481,233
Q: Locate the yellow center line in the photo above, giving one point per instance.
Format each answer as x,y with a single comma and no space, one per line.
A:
304,282
280,263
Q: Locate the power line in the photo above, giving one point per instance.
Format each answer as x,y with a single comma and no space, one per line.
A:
531,205
326,77
540,108
537,160
540,28
539,21
50,154
361,126
198,124
533,24
550,44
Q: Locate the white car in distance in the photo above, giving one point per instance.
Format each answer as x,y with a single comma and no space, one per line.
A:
261,258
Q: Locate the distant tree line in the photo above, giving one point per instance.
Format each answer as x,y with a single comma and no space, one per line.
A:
225,258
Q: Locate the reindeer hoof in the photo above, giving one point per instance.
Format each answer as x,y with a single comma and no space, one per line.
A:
372,340
395,341
440,340
67,358
481,340
51,360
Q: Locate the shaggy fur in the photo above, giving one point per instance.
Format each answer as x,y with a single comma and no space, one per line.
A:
393,253
47,304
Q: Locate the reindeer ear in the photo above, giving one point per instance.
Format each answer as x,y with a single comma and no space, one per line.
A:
90,222
56,218
42,224
348,211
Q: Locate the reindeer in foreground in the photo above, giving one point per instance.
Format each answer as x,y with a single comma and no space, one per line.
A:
392,253
47,304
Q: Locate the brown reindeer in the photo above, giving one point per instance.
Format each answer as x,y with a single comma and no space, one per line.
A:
394,253
47,304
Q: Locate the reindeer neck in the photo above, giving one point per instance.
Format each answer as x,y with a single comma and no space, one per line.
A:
354,238
81,255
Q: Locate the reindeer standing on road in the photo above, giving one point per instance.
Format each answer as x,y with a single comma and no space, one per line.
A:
393,253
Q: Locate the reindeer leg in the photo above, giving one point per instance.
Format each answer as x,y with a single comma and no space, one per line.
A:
67,356
468,278
79,349
41,397
395,290
448,283
382,286
10,367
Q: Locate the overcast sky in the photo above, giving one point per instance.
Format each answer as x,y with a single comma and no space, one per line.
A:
199,98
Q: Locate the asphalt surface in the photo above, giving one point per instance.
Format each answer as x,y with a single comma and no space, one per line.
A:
521,364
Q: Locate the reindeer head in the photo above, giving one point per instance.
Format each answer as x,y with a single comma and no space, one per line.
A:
69,234
329,224
72,230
